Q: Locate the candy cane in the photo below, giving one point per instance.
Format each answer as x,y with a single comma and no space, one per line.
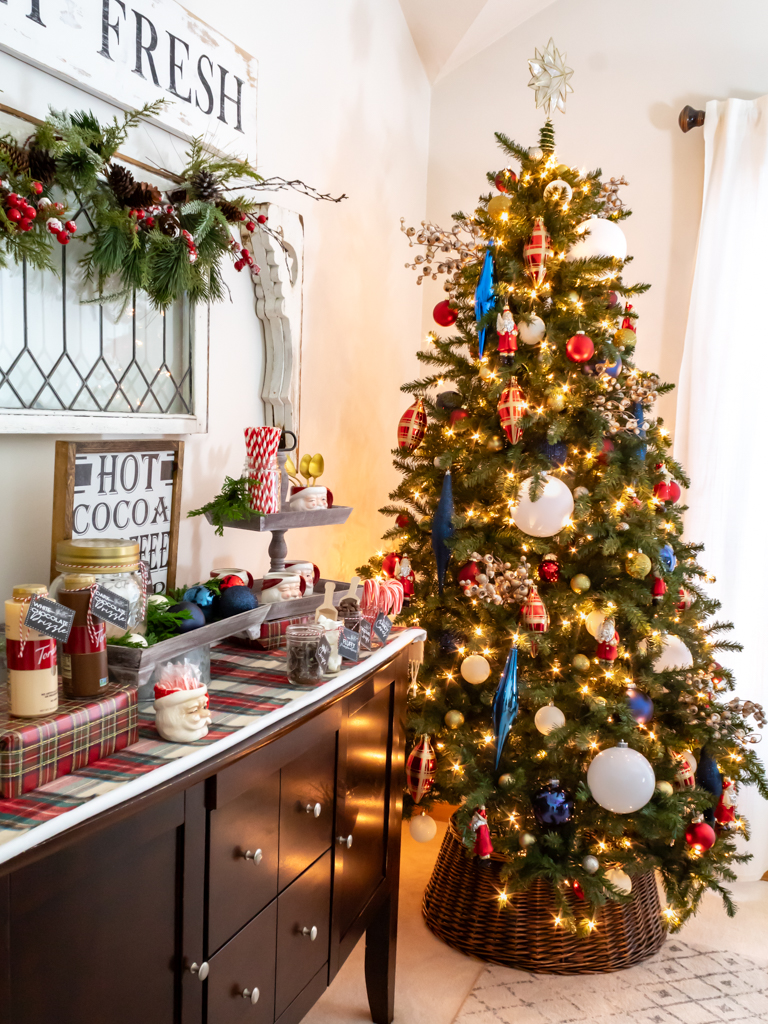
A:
371,596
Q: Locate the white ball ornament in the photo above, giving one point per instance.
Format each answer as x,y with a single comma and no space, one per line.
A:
137,638
619,880
548,718
620,779
594,621
590,864
532,333
548,514
535,152
475,669
558,189
673,655
422,828
599,237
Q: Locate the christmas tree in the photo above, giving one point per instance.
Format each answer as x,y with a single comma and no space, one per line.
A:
570,691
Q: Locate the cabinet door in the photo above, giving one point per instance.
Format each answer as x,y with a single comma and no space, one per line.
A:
306,808
303,931
363,809
241,982
93,927
243,851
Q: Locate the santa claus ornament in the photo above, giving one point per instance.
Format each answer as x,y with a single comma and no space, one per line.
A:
412,427
479,825
725,812
506,331
537,252
512,408
181,703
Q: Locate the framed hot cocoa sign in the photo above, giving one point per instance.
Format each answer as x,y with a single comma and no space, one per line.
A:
125,490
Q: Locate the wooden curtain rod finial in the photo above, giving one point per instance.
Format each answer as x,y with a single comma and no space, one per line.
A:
690,118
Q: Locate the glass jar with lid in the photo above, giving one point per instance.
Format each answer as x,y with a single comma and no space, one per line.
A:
116,565
303,662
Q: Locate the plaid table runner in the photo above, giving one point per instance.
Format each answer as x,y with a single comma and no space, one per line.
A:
245,684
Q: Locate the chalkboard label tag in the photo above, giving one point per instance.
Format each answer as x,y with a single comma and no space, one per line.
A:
382,627
111,607
323,653
50,618
365,634
349,644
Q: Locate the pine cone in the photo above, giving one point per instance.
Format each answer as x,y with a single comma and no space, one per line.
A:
230,211
205,186
168,224
122,183
42,166
178,196
146,194
14,157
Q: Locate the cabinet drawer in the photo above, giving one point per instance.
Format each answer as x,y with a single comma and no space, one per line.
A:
245,965
306,808
303,910
239,885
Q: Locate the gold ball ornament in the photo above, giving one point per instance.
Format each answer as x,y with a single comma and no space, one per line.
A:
665,788
495,443
556,402
505,781
485,372
453,719
526,839
475,669
624,337
580,583
573,296
499,205
638,565
580,663
619,880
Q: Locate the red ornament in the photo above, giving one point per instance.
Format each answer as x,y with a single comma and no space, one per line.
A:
512,408
420,769
628,324
549,569
457,416
700,836
402,521
262,219
674,491
444,314
608,651
25,224
479,825
468,573
250,226
537,252
36,187
239,264
62,238
580,348
412,426
231,581
659,589
686,600
504,179
533,614
661,490
14,215
12,199
390,564
71,227
608,447
30,212
613,300
577,889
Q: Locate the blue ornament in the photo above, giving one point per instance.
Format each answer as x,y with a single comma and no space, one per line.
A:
640,416
442,529
708,777
552,805
484,298
451,640
195,622
667,558
505,703
556,453
640,706
612,369
234,600
203,597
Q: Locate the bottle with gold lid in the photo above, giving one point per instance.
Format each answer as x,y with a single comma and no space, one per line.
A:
33,685
117,567
83,658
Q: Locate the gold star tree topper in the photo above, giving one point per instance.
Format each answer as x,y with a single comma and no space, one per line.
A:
549,78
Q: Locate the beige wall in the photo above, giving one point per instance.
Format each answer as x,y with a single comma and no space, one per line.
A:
343,104
635,66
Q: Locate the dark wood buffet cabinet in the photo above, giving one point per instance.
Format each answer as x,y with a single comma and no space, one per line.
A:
232,893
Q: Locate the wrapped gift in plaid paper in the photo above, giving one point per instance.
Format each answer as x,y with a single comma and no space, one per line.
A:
35,751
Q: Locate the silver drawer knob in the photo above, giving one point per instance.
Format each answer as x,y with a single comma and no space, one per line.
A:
200,970
316,809
252,855
252,994
310,932
344,841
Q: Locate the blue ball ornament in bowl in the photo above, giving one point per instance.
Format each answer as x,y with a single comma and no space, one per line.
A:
667,558
640,706
552,805
196,620
203,598
236,600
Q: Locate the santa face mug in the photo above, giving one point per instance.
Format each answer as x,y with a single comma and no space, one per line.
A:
183,716
281,586
308,572
308,499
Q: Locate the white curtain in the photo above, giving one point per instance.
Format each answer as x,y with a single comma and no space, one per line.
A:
721,431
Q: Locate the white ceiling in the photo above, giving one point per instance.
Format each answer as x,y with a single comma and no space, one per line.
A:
449,32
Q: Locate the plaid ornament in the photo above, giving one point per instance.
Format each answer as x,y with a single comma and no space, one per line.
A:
534,615
413,424
512,407
537,252
420,769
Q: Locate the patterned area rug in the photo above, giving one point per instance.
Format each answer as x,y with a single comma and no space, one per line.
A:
681,984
